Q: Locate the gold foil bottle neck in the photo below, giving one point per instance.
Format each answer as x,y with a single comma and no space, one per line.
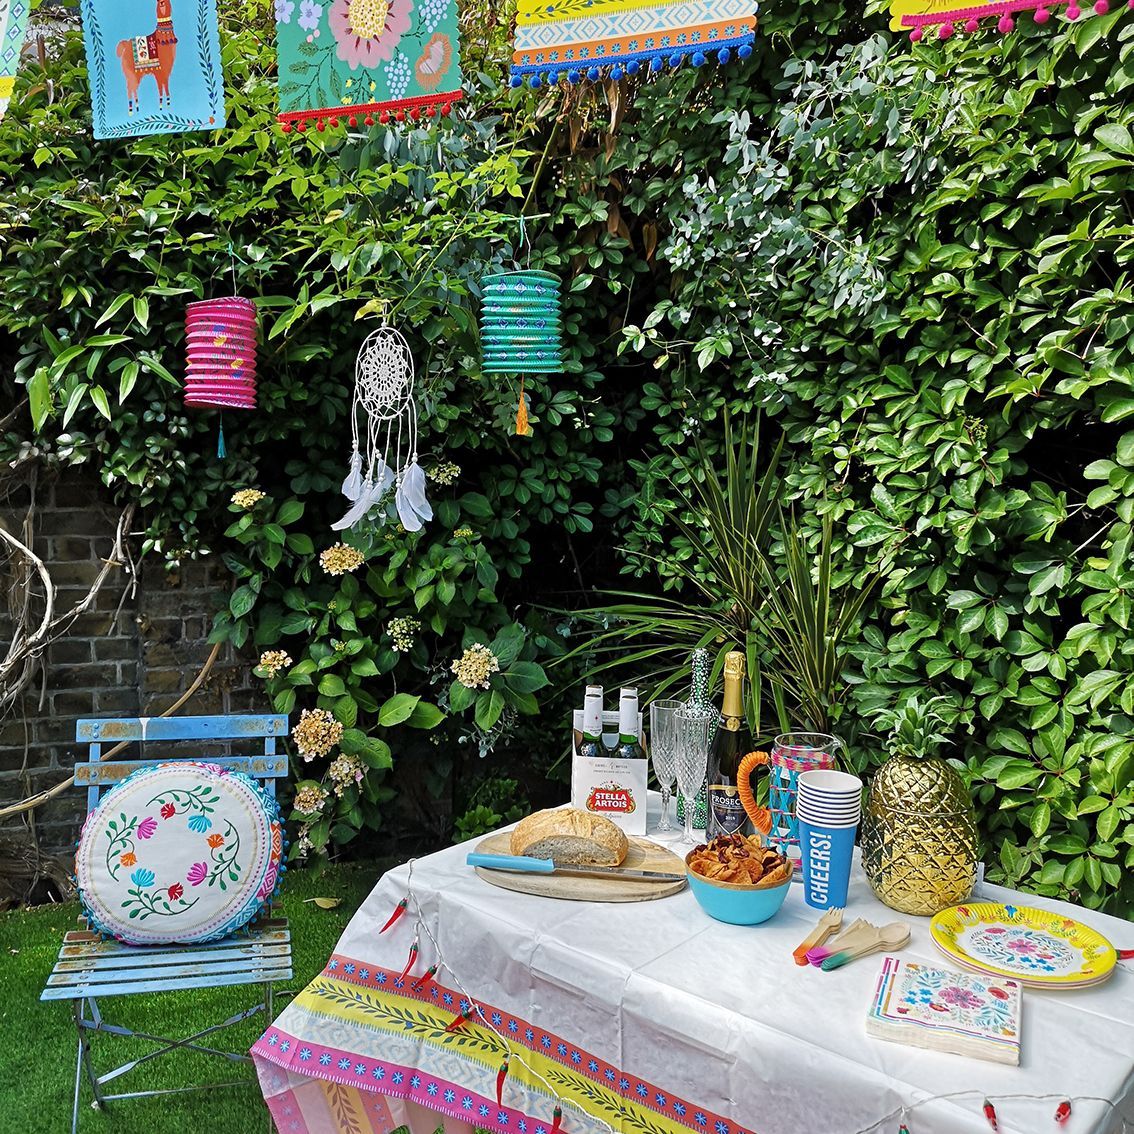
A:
734,665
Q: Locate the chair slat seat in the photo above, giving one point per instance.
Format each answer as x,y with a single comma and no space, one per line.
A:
250,963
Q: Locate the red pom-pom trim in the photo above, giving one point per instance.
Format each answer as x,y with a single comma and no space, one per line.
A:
369,120
400,114
334,121
285,127
353,120
302,127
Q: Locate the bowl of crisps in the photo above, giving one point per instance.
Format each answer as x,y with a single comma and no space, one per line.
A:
736,879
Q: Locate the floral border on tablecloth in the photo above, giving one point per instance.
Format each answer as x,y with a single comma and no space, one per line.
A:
603,1090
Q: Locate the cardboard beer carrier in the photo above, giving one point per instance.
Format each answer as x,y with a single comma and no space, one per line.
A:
615,789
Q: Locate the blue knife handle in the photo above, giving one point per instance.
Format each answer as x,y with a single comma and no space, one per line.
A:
513,862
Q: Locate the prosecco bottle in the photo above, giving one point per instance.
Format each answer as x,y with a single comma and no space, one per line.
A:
629,743
730,745
591,745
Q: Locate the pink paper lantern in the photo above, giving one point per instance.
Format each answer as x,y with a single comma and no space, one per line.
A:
221,355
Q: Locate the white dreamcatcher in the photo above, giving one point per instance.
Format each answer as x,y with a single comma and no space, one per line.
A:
383,395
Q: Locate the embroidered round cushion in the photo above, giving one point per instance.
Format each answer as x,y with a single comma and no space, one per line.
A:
177,853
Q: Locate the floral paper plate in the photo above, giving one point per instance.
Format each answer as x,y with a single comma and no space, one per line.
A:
1039,948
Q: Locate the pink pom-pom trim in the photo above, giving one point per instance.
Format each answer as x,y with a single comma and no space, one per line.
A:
1101,7
916,34
944,31
1042,15
972,25
1073,12
1006,24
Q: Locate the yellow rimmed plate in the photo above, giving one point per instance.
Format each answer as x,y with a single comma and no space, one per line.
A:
1038,948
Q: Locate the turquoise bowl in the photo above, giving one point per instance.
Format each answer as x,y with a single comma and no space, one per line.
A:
738,905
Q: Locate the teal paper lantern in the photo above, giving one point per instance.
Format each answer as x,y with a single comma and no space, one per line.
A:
521,328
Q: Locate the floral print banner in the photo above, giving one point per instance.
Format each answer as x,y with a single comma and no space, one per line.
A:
362,60
153,75
13,22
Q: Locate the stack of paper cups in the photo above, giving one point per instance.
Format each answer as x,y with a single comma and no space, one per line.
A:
221,353
828,807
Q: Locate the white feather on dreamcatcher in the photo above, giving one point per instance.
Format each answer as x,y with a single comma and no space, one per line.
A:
383,398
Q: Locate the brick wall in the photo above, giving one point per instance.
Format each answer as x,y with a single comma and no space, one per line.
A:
134,653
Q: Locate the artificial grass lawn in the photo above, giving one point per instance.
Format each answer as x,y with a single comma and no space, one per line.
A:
37,1057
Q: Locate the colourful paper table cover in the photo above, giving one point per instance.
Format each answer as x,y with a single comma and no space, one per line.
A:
352,59
13,24
572,39
660,1021
125,42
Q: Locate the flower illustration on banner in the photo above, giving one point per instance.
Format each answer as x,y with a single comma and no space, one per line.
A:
147,827
197,873
434,62
215,841
175,891
142,878
199,824
128,859
309,15
284,9
168,811
368,31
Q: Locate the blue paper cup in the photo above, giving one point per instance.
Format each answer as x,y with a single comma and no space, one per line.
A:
827,855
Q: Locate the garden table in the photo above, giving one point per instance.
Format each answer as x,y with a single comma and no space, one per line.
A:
651,1017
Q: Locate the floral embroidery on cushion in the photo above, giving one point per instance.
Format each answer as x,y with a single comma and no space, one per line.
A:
225,866
224,859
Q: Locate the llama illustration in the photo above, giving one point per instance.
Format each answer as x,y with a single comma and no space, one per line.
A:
152,54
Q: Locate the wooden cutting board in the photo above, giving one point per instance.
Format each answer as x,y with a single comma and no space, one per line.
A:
643,855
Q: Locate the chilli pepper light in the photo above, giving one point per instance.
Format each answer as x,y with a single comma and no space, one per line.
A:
521,328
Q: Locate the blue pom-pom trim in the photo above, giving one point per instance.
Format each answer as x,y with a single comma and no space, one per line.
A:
537,75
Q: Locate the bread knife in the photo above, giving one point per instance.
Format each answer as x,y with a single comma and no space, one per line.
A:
521,864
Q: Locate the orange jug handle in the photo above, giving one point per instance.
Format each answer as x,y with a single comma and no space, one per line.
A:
761,817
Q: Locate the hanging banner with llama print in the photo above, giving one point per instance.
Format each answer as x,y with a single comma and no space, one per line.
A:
157,74
360,61
13,23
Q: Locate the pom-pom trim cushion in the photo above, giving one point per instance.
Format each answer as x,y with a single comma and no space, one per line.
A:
179,853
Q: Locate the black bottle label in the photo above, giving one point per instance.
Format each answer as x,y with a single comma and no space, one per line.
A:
727,814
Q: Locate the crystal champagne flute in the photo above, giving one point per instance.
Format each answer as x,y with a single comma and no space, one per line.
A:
663,748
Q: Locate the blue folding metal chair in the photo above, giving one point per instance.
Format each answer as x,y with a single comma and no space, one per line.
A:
90,967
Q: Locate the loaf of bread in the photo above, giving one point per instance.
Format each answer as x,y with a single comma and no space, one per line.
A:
571,838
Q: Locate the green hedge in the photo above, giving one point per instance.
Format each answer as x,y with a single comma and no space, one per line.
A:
912,260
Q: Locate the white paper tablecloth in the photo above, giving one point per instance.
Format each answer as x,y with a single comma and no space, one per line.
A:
721,1014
